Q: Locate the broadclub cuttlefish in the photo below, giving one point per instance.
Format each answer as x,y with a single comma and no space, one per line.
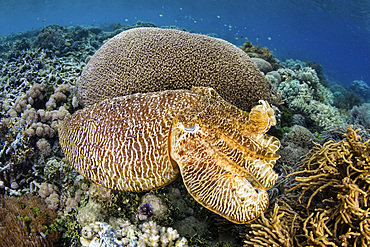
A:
145,141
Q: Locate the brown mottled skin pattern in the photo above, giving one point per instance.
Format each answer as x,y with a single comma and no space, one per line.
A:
144,141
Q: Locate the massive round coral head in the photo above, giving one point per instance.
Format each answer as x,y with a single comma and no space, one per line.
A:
144,60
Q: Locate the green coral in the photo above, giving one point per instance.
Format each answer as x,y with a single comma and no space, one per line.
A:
286,117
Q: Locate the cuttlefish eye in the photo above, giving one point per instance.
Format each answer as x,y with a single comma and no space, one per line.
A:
189,128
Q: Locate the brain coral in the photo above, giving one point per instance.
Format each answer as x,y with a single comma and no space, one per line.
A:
153,59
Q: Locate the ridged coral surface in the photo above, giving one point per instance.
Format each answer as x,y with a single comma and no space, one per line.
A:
151,59
141,141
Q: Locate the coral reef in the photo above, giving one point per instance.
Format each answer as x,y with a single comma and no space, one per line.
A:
38,90
90,213
50,37
157,207
326,203
336,180
277,229
361,115
337,134
262,65
274,77
296,143
361,89
347,100
30,133
319,71
38,74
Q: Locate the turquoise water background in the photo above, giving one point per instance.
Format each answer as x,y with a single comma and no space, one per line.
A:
334,33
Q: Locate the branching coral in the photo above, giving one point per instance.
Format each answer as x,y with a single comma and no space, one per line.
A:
337,180
146,234
332,187
277,229
304,94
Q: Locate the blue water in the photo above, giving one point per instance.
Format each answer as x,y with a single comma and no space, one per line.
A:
334,33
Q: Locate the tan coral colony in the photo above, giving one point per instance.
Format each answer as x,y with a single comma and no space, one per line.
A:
142,60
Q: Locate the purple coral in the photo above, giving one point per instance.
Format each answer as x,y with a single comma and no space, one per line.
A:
146,210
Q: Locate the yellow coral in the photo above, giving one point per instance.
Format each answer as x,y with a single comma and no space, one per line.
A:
277,229
337,180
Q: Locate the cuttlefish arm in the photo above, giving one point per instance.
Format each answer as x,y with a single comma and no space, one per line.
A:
224,169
